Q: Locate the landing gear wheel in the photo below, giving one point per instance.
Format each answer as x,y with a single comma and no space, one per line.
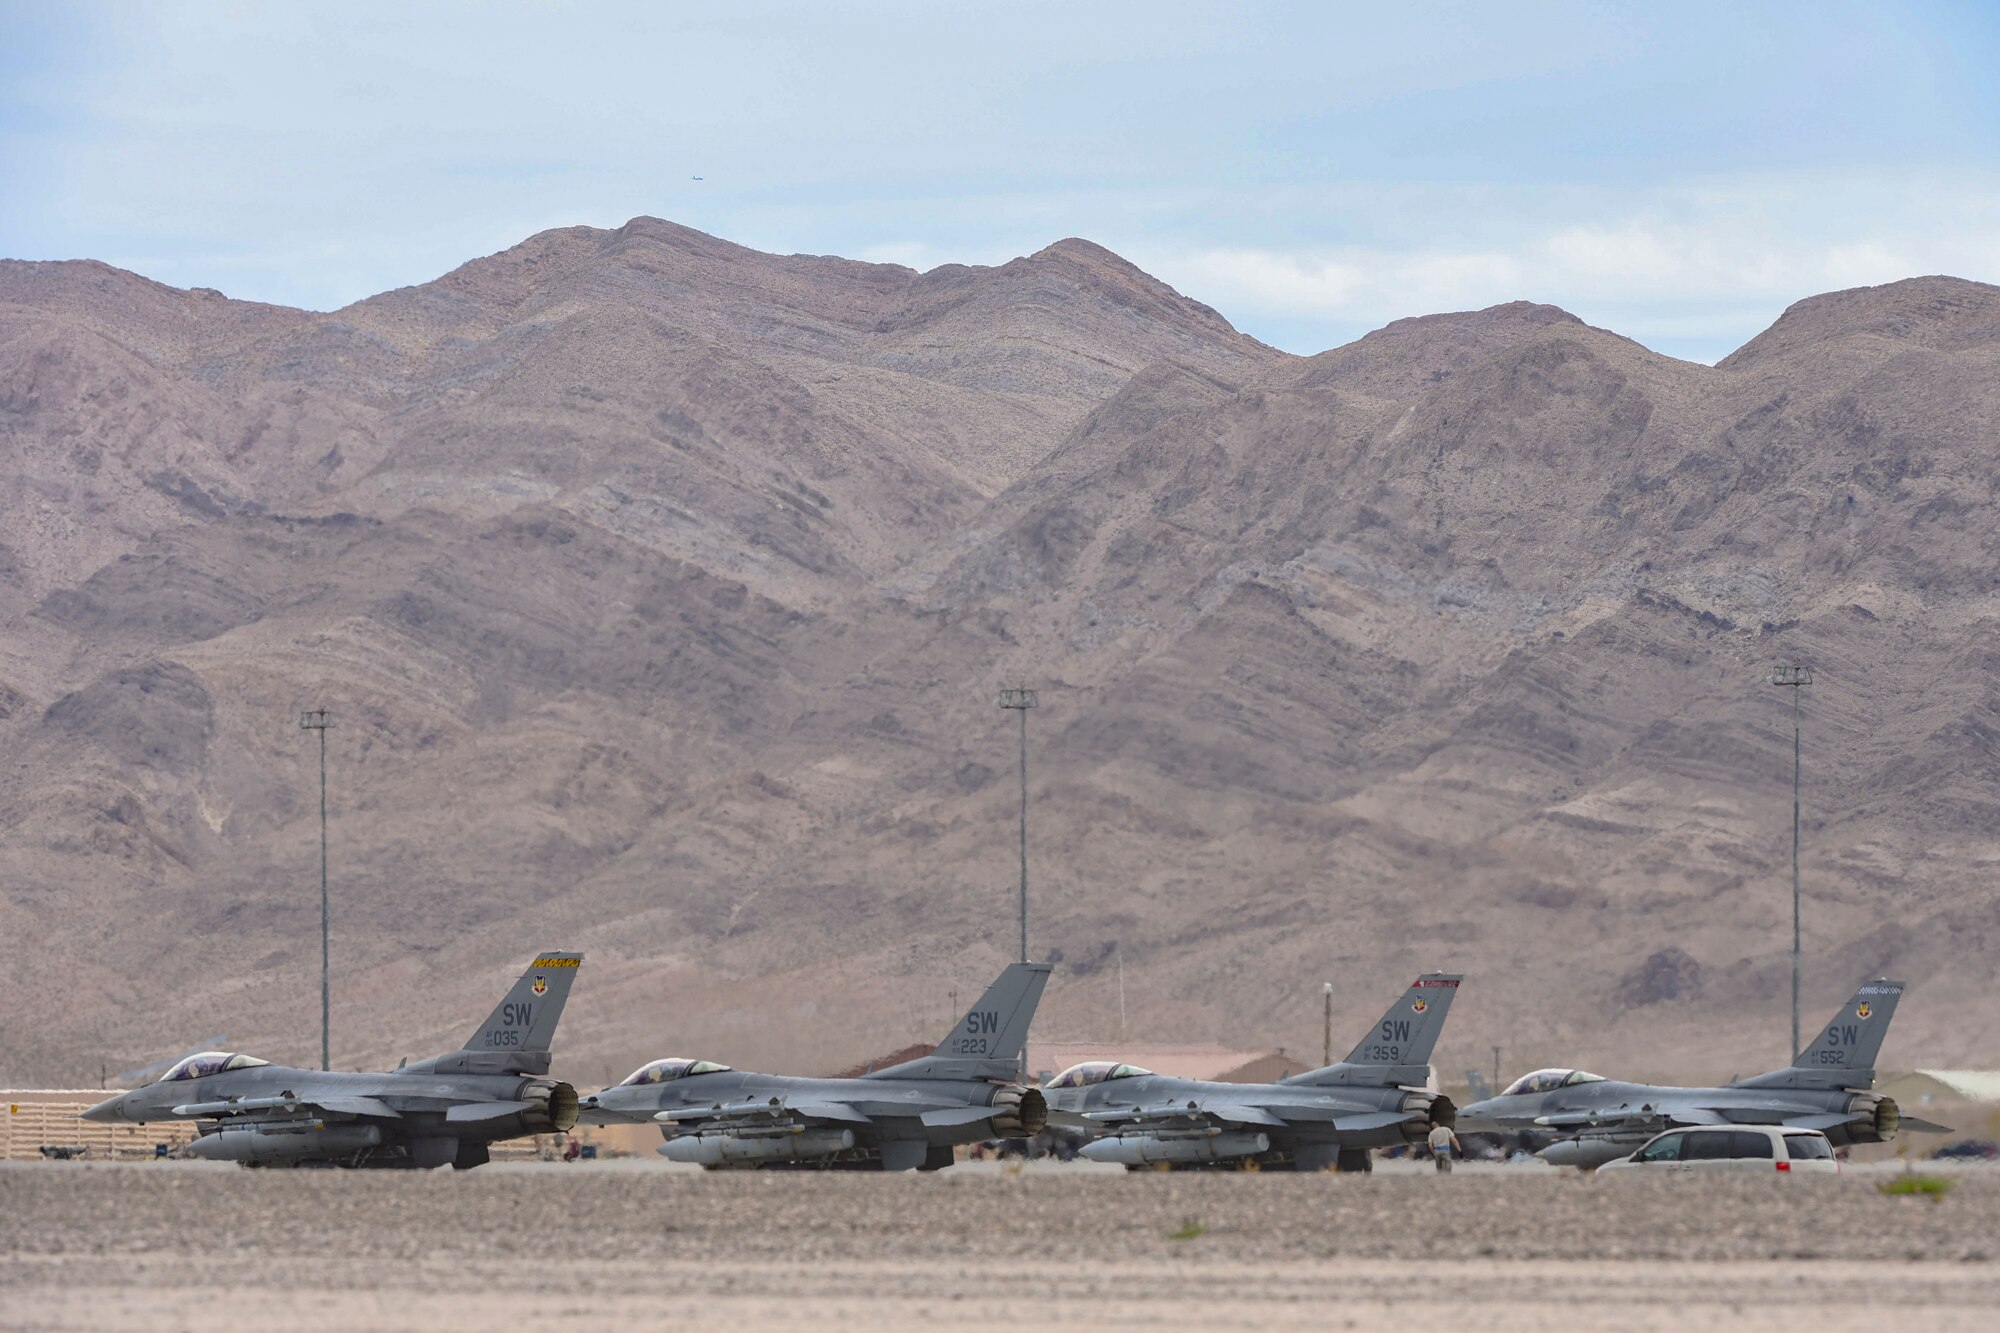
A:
1355,1159
938,1158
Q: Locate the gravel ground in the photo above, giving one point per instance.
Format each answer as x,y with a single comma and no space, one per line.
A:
156,1245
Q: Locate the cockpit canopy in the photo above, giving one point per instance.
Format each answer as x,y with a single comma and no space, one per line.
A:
1094,1071
1548,1080
203,1063
666,1071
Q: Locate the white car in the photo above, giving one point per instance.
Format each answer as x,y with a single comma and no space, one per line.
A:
1735,1148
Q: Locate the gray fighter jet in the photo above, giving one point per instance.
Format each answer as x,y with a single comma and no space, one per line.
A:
440,1111
904,1117
1827,1087
1329,1117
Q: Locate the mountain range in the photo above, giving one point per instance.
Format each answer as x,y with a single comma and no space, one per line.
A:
660,591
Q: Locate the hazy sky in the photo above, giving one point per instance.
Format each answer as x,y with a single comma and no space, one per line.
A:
1679,173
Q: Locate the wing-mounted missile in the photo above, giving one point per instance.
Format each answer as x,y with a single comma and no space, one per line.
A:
285,1103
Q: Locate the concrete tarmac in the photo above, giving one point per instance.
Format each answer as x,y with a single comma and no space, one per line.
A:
187,1246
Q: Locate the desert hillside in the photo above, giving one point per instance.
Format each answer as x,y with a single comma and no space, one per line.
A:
661,589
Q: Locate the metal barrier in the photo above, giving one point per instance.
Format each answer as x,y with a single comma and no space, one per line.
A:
50,1120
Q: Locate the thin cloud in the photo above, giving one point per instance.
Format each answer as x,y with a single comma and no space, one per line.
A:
1703,282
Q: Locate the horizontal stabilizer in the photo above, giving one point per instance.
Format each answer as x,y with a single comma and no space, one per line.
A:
1920,1126
957,1115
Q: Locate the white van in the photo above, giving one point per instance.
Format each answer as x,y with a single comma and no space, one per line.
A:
1736,1148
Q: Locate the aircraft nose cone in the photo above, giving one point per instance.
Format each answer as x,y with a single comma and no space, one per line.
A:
109,1111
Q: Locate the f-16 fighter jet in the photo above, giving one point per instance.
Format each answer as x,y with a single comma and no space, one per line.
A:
1827,1087
438,1112
901,1118
1308,1122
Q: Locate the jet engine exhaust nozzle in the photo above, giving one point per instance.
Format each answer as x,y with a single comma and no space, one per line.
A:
1437,1109
1018,1112
1876,1119
556,1110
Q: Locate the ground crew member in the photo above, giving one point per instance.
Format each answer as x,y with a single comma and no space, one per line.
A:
1443,1144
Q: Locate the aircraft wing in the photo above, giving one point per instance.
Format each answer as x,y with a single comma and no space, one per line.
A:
288,1105
764,1113
1628,1117
1276,1115
1696,1115
370,1106
840,1111
1168,1117
1246,1115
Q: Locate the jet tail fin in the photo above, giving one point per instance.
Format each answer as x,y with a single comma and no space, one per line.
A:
989,1040
515,1037
1843,1055
1397,1050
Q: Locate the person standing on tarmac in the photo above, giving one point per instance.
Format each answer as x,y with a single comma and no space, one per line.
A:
1444,1143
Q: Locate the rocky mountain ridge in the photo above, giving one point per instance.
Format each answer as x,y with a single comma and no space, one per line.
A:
660,589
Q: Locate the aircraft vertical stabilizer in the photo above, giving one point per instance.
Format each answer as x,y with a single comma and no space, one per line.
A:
1843,1055
989,1040
1397,1050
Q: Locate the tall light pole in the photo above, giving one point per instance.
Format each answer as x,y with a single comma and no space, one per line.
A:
1326,1047
315,719
1794,677
1021,700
